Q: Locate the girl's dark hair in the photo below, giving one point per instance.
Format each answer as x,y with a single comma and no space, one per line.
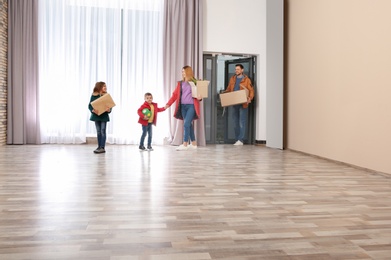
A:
98,86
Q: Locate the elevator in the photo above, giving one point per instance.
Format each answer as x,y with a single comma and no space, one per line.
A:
218,69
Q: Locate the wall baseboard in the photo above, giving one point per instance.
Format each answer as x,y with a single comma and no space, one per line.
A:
370,171
260,142
91,140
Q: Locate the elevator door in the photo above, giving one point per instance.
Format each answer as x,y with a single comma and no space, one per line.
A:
218,120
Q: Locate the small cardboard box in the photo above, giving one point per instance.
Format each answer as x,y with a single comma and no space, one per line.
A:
101,104
234,97
200,89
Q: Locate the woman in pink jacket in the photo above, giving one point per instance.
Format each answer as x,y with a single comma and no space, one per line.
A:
187,108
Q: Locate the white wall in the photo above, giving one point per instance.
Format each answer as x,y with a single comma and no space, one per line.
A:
275,73
338,80
232,26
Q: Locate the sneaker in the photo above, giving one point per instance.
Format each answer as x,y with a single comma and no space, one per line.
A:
192,146
149,148
141,148
238,142
96,150
100,150
182,148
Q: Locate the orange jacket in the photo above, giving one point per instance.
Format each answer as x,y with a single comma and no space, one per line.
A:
245,83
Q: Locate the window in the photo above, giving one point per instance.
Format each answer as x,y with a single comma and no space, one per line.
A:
82,42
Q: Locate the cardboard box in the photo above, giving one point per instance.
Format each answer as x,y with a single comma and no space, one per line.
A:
101,104
234,98
201,88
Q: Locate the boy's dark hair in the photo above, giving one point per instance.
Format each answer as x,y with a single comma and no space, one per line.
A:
147,94
239,65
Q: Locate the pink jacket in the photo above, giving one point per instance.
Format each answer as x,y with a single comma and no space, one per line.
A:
176,96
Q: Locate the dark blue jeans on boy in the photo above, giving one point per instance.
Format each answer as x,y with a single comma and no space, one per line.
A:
146,129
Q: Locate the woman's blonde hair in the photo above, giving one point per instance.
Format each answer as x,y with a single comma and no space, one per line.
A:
189,74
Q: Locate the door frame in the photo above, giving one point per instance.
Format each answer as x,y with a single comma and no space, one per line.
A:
210,138
210,72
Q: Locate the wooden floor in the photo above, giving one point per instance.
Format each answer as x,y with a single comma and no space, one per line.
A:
216,202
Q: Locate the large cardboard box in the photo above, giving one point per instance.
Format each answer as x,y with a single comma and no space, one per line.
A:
101,104
200,89
234,97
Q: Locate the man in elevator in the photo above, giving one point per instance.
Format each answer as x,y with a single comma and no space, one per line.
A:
240,81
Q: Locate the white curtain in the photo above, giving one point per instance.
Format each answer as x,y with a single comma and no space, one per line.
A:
82,42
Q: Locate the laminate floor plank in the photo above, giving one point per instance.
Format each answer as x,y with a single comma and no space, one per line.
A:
215,202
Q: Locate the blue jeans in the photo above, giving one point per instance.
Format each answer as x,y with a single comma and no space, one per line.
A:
240,121
146,129
101,133
188,113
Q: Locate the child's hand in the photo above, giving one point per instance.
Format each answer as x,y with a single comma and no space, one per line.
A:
146,118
